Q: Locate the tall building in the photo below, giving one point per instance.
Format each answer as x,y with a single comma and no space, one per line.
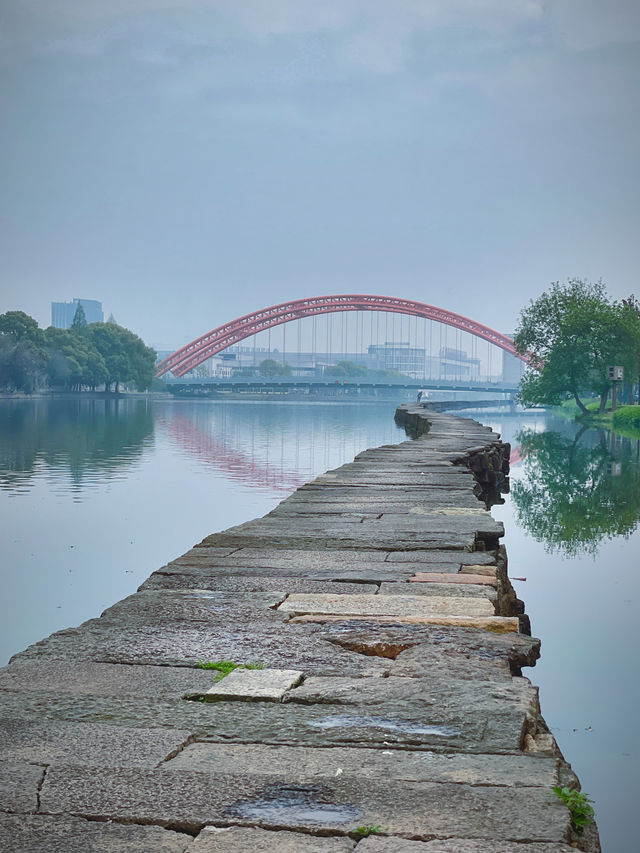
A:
62,313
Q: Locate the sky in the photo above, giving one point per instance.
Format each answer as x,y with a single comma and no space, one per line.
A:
190,161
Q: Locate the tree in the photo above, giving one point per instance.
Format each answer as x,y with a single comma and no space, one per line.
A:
126,357
22,355
79,319
571,334
270,368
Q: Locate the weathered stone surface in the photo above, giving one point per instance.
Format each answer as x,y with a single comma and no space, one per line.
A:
276,645
157,606
63,834
19,784
418,728
88,744
267,684
84,677
490,730
237,839
308,765
375,844
258,583
300,604
499,624
421,810
442,590
459,579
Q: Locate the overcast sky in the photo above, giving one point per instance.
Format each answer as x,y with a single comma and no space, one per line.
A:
189,161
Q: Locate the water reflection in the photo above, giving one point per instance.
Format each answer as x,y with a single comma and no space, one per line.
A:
85,439
580,487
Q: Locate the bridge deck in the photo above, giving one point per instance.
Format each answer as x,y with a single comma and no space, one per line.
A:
369,698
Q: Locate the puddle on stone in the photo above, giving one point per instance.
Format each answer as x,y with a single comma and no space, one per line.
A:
357,721
295,805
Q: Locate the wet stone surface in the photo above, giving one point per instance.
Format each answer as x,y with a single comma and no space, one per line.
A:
364,719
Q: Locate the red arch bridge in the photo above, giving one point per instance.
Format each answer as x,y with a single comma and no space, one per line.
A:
199,350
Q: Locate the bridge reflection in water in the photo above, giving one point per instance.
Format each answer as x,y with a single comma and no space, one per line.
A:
276,447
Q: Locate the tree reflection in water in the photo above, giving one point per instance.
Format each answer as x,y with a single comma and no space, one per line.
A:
578,490
83,436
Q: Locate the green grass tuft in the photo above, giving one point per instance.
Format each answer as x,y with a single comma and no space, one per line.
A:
224,667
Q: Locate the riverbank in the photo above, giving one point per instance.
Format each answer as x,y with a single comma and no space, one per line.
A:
399,709
624,421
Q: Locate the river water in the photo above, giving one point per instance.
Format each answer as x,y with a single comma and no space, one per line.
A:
95,495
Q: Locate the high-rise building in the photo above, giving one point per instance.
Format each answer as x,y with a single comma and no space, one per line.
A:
62,313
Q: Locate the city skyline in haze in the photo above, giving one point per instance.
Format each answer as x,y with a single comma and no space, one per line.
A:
188,162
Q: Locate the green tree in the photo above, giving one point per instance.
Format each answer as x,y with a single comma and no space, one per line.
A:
572,333
271,368
125,355
23,358
79,319
348,369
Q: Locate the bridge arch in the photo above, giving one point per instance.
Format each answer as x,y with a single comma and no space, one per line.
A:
194,353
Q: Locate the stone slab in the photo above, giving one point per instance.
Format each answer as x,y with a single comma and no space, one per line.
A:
82,677
442,590
461,578
237,839
500,624
87,744
475,558
278,645
309,765
252,583
19,784
490,571
375,844
266,684
158,606
406,606
421,810
65,834
493,729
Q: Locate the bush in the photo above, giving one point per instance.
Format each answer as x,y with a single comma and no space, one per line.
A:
627,417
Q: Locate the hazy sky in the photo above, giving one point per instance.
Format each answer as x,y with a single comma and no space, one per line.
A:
189,161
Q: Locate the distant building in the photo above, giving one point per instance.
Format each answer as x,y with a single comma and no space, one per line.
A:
62,313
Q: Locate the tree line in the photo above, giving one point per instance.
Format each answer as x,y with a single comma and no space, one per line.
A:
571,335
86,356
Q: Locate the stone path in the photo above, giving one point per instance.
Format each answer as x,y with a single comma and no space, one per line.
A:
377,704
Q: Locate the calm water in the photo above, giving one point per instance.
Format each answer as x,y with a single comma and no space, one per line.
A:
95,495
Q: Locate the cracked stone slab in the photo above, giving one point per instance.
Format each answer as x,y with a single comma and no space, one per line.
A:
301,604
267,684
493,729
88,744
238,839
64,834
374,844
421,810
308,765
278,645
19,784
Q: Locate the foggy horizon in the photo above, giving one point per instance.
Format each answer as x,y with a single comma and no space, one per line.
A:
186,163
